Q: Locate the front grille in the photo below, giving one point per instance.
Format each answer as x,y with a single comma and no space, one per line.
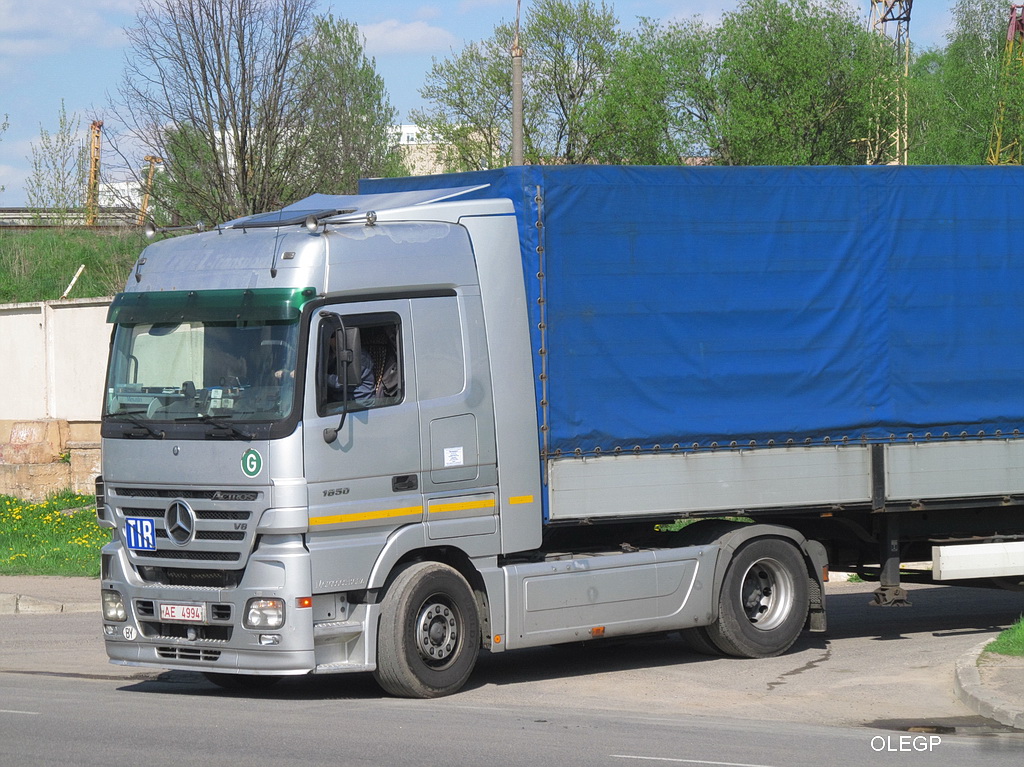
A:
219,525
195,556
187,493
188,653
201,633
235,515
210,535
202,579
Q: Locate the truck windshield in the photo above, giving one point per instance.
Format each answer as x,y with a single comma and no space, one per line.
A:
169,363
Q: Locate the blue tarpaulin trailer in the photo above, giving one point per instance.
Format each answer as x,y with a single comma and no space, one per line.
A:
756,305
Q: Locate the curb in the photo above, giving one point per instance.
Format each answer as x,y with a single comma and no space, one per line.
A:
988,703
17,604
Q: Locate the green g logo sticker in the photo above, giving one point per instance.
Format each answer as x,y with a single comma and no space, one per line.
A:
252,463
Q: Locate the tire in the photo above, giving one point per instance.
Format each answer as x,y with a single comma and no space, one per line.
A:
248,682
698,641
763,604
429,635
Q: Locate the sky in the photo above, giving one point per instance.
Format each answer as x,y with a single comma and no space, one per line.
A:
74,50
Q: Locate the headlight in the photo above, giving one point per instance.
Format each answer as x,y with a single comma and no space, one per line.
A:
264,614
113,606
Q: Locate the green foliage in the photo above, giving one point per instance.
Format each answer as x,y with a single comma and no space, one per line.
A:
472,96
349,122
59,536
252,105
1009,642
37,265
59,169
631,120
778,82
473,99
954,92
569,49
796,83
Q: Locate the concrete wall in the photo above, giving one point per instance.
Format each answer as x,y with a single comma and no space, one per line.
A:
52,365
53,355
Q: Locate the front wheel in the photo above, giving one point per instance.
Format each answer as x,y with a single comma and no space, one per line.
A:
764,600
429,634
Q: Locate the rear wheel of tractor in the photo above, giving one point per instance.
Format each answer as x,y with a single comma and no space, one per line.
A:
429,633
764,600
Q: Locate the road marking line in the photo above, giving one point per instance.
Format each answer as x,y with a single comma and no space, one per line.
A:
27,713
684,761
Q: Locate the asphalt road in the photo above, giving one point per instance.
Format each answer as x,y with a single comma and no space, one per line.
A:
876,690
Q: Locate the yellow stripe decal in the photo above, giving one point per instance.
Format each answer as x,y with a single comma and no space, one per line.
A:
366,516
462,506
516,499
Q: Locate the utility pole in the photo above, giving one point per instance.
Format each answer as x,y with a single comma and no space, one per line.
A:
517,96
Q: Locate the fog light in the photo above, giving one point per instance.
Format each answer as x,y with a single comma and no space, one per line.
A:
270,639
109,630
264,614
113,606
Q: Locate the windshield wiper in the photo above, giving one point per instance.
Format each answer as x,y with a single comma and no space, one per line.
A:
139,423
222,423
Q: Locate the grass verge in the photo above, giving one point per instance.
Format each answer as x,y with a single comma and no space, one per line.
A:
1010,642
59,536
38,264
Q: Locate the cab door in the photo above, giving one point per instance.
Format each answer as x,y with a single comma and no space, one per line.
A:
366,481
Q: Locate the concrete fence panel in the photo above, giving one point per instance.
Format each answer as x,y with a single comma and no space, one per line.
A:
53,359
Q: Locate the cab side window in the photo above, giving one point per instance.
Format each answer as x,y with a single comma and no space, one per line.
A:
373,378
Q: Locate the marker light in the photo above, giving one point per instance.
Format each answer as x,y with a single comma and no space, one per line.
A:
301,602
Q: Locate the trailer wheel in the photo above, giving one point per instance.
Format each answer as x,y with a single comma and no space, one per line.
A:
764,600
429,634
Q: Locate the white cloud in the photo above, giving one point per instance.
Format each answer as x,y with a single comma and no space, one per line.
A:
393,36
47,26
428,12
471,5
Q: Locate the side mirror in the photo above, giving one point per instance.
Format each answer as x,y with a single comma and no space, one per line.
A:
339,348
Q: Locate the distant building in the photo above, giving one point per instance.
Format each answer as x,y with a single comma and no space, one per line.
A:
418,149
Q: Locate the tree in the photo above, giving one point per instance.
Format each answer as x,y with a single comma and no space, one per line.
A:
660,102
776,82
349,122
470,122
569,48
221,73
249,109
796,80
569,51
57,181
954,92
